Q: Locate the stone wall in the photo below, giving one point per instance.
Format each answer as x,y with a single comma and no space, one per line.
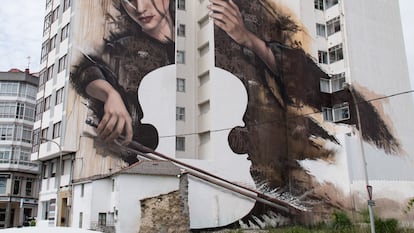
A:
166,213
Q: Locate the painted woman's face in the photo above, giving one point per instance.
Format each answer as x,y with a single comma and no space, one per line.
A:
152,15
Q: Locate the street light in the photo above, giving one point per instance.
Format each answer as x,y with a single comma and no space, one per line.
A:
58,177
370,202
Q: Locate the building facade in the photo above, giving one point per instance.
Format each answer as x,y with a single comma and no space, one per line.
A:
215,103
19,184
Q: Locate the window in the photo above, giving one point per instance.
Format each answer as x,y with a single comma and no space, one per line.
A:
48,3
47,23
52,168
320,30
333,25
327,114
35,140
59,96
66,4
39,109
341,113
337,113
42,77
181,30
180,143
62,64
64,32
44,133
325,85
47,103
52,207
44,171
102,219
335,53
56,129
55,14
323,57
3,184
337,82
45,210
180,57
26,134
16,186
180,113
113,185
334,84
330,3
82,190
318,4
180,85
9,88
80,219
45,50
181,4
6,132
29,186
17,110
50,72
52,43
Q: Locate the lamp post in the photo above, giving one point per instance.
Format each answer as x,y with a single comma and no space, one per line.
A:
370,202
58,177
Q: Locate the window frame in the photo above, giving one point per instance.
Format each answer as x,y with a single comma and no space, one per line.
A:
180,143
180,113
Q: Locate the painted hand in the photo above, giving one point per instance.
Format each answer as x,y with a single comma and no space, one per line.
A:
116,120
227,16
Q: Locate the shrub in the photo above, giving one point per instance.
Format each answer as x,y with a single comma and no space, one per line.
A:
386,226
341,221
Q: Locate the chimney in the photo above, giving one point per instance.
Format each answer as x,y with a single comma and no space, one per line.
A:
27,71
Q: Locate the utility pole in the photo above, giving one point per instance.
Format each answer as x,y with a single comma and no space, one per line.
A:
370,202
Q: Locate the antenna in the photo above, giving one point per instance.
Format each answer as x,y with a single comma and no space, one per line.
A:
28,62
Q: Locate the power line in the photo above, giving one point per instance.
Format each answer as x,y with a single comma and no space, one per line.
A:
296,116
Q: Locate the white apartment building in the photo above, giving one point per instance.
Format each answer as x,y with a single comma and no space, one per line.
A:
18,175
357,42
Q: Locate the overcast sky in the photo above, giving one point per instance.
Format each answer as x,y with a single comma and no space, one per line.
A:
21,24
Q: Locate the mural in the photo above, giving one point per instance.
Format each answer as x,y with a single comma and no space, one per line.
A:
266,49
110,79
256,41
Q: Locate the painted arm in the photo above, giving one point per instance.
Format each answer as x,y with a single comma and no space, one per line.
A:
116,119
227,16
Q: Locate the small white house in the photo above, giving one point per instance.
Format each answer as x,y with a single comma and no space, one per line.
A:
114,202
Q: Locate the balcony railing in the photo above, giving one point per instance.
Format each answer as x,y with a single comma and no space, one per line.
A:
18,164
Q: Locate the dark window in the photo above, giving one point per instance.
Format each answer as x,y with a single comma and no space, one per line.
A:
333,25
180,143
330,3
16,187
66,4
318,4
56,129
181,4
102,219
323,57
181,30
29,185
62,64
336,53
64,32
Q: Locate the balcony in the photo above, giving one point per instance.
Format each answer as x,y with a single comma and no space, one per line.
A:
19,165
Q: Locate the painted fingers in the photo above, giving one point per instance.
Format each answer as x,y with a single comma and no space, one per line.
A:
116,120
